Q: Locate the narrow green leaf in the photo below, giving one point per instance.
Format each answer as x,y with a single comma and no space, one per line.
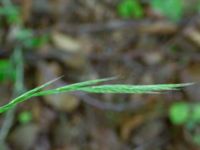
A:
25,96
73,87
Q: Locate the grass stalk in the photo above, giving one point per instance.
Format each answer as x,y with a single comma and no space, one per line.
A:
18,89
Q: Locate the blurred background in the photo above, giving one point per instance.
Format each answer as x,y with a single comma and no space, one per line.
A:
139,41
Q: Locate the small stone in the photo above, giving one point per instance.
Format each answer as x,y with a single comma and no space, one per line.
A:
63,102
24,137
153,58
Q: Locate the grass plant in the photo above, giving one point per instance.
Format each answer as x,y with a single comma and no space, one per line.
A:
91,87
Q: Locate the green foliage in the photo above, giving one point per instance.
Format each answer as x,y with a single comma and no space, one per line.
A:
25,117
173,9
188,115
35,42
12,14
27,39
195,114
179,113
130,9
89,86
7,71
23,36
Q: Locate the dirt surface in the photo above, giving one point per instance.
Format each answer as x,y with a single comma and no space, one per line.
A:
89,40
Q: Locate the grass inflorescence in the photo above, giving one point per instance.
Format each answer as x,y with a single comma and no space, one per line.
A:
92,87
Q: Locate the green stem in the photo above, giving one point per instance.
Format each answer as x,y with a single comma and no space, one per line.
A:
18,89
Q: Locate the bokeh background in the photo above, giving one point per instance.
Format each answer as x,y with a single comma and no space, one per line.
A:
139,41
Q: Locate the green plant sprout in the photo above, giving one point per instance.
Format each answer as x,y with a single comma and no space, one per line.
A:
89,86
182,113
179,113
130,9
187,115
25,117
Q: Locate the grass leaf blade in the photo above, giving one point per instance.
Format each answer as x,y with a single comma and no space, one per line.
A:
73,87
25,96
